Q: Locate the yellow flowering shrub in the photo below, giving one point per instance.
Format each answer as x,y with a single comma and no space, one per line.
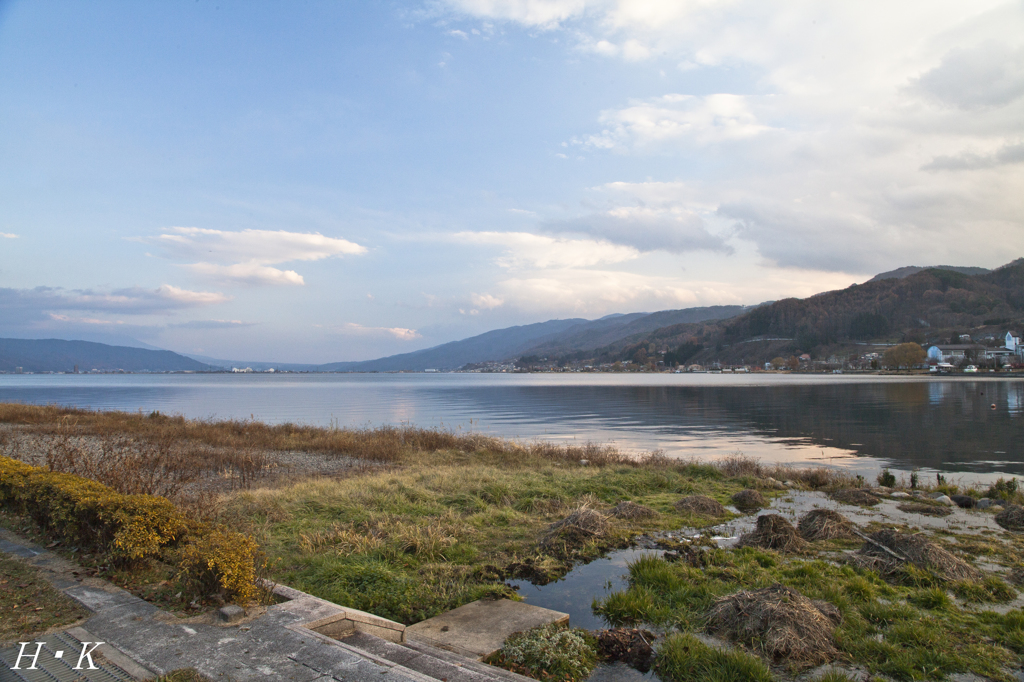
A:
132,528
222,561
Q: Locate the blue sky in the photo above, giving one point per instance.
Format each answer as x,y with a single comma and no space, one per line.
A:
313,182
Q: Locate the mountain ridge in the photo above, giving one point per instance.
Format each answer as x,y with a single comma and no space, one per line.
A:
59,355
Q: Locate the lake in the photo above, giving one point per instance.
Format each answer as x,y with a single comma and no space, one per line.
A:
970,428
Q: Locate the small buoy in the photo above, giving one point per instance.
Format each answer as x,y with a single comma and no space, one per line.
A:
993,406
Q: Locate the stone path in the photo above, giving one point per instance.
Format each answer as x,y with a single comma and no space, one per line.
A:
293,640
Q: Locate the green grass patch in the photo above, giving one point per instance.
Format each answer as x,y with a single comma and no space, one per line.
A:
409,544
682,657
904,631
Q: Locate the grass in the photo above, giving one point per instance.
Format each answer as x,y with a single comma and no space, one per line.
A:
684,657
903,632
412,543
29,605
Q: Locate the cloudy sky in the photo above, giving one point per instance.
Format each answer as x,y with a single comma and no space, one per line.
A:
323,181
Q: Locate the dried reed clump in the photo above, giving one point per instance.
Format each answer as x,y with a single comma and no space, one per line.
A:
166,468
773,532
702,505
922,508
825,524
1011,518
738,465
631,511
749,500
888,551
580,526
1017,576
857,497
781,623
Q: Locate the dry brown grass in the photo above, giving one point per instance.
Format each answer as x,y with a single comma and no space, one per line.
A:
1011,518
383,444
816,478
773,532
580,526
702,505
857,497
781,623
631,511
749,500
825,524
888,551
922,508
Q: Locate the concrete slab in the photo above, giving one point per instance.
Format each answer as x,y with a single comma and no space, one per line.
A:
479,628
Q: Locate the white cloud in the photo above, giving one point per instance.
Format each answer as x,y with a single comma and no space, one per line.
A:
399,333
8,235
674,229
525,250
82,320
248,256
254,246
247,273
987,75
486,301
669,118
43,302
212,324
836,147
534,13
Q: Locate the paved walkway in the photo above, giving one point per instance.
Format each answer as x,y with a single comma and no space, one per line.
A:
143,641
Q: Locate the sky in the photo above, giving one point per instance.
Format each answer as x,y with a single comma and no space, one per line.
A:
327,181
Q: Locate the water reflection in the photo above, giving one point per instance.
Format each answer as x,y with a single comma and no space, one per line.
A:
946,425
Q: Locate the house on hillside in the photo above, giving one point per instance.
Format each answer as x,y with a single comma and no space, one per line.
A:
955,353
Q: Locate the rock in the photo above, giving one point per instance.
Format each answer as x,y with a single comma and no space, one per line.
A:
936,496
899,494
964,501
996,508
984,503
788,484
945,499
584,462
918,493
232,613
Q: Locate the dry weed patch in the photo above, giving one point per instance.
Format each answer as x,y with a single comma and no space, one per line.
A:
825,524
773,532
779,622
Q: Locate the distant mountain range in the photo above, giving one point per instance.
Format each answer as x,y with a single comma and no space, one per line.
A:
55,355
900,273
911,303
542,338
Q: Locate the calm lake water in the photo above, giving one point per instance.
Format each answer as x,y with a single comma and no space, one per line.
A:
970,428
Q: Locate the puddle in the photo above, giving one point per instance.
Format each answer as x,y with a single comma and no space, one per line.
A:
577,590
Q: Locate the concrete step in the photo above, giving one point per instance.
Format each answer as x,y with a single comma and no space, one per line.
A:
430,661
479,628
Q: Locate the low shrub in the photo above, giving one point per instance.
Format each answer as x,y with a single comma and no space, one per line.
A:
549,652
131,529
222,561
